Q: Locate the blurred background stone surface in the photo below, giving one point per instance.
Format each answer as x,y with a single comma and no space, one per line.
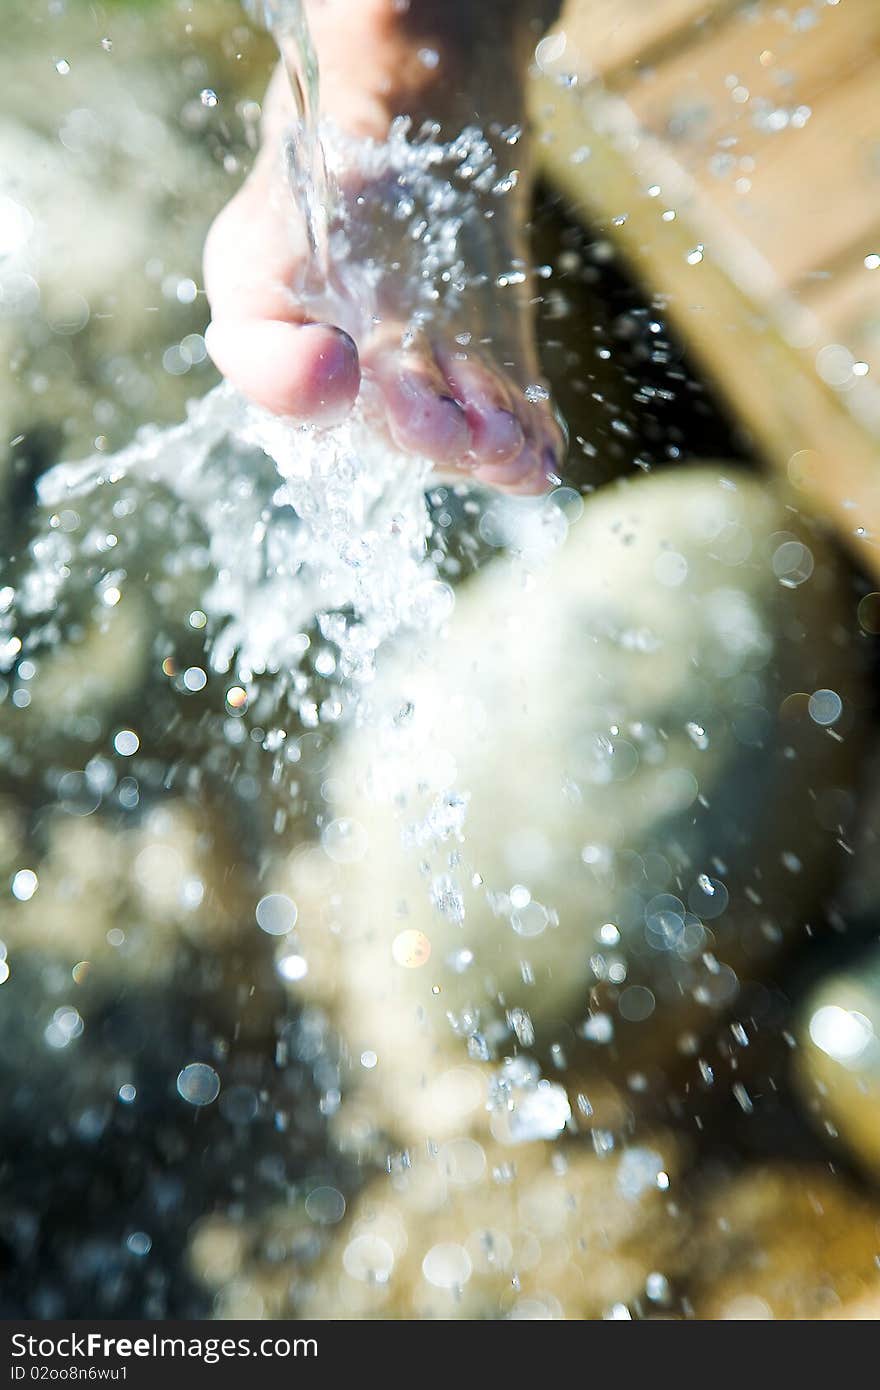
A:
119,139
631,720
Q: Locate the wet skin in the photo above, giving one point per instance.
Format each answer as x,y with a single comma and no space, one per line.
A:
457,390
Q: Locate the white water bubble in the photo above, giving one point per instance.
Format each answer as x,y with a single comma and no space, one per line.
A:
325,1206
670,569
618,1312
792,564
276,914
598,1028
24,885
292,968
411,949
463,1161
369,1259
198,1084
550,49
66,1025
697,735
842,1034
636,1004
825,707
708,897
126,743
447,1266
539,1112
834,363
638,1172
344,841
194,679
530,920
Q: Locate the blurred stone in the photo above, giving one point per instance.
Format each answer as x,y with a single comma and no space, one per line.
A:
837,1062
783,1242
559,1233
596,807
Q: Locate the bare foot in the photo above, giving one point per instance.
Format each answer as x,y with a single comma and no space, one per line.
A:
427,296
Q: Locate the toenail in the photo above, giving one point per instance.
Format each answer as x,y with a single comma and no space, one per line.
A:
340,355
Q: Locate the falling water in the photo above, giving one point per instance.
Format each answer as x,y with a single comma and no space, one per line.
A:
304,148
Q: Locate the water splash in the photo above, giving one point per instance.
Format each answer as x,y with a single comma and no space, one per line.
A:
335,529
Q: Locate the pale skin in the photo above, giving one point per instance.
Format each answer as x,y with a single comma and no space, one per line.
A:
456,391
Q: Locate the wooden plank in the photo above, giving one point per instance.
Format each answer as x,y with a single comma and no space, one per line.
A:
847,301
766,283
813,192
757,106
609,36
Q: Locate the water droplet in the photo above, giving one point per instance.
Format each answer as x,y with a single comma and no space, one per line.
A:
66,1025
194,679
198,1084
276,914
536,392
411,949
842,1034
24,885
825,707
292,968
697,734
126,743
325,1206
599,1028
369,1259
447,1266
344,841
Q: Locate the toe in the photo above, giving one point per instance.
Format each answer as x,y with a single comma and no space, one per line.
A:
496,435
309,371
423,415
260,337
516,442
